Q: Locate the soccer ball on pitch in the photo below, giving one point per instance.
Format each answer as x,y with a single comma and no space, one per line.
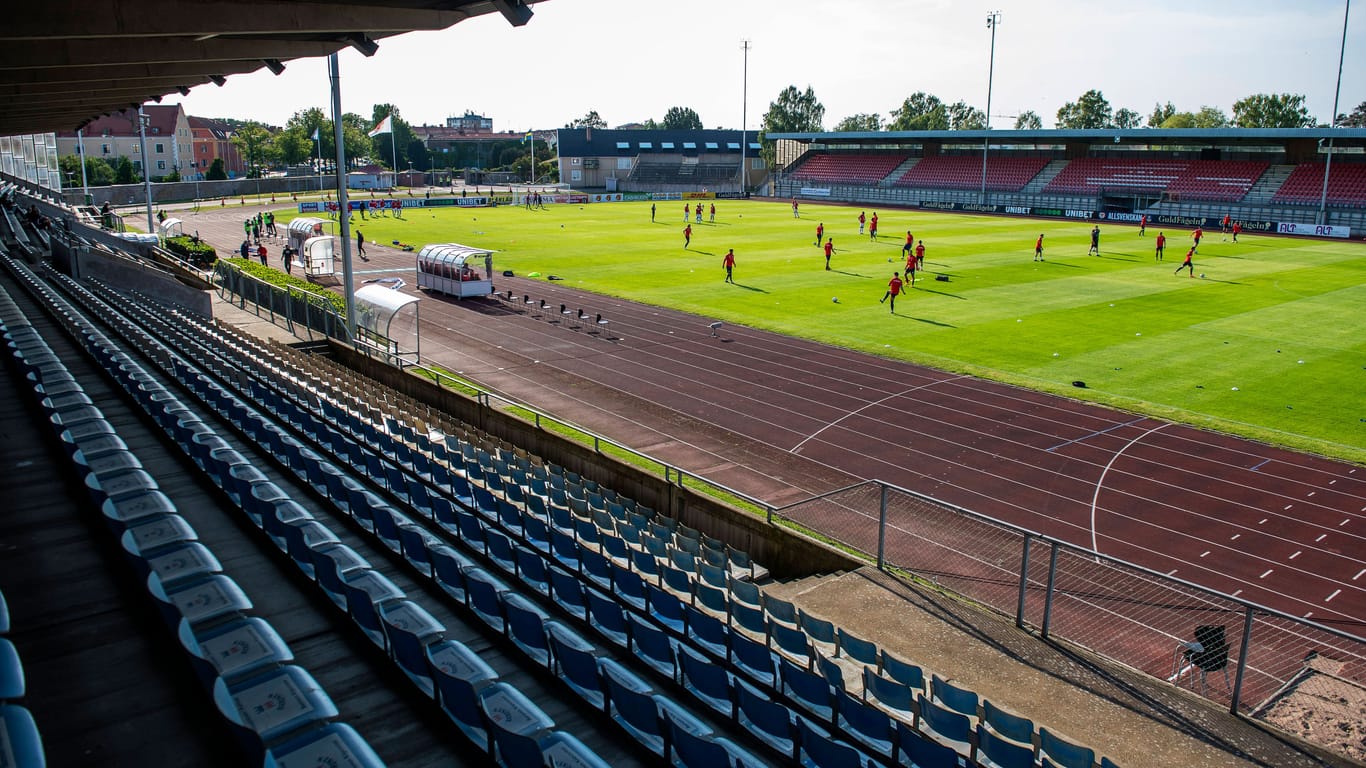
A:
835,299
1202,275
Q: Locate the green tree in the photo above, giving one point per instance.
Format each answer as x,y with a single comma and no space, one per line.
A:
965,118
1355,120
98,171
1272,110
793,111
308,120
216,172
590,120
355,139
124,173
1028,120
920,112
682,119
252,140
860,122
1161,114
293,145
1091,110
1127,118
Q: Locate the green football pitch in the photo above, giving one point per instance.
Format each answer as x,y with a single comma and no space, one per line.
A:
1268,340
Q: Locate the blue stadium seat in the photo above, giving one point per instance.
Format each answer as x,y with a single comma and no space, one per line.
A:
417,544
239,647
568,593
563,750
198,600
183,561
531,569
952,729
689,750
818,749
791,643
809,690
331,563
856,649
707,633
526,627
749,620
955,697
576,663
273,704
460,673
1063,753
335,744
11,671
865,724
904,672
893,697
754,659
302,537
766,720
132,509
410,630
922,752
634,705
367,590
820,631
653,646
666,610
515,725
1008,724
706,681
608,618
996,751
20,738
450,567
486,597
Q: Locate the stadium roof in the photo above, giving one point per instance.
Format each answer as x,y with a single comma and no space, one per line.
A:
66,62
1183,136
602,142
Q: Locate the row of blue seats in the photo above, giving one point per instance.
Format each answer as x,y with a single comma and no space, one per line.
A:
488,711
501,471
484,593
19,734
183,576
954,728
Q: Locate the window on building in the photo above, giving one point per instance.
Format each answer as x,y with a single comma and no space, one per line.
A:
689,145
161,148
623,145
623,163
575,161
666,145
733,146
712,146
576,175
104,149
161,165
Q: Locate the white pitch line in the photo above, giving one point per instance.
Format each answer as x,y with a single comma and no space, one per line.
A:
1330,597
1100,481
1206,552
1321,537
1363,570
1268,572
1235,537
1297,554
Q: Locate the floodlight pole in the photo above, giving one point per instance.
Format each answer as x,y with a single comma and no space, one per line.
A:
744,121
343,204
1328,165
146,172
993,19
80,150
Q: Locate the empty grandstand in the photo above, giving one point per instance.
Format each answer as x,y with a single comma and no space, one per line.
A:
1270,176
659,160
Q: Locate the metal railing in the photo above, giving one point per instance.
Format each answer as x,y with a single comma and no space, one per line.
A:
300,311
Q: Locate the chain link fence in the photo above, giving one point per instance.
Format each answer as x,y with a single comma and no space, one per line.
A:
1303,677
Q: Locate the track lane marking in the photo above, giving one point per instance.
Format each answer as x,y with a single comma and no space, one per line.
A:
866,406
1100,481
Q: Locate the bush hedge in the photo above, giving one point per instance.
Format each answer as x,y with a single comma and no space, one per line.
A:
193,250
318,296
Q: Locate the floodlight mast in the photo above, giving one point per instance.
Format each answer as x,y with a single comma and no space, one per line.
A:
343,205
993,19
744,122
1328,164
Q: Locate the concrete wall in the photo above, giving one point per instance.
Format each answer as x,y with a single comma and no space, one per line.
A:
126,274
784,553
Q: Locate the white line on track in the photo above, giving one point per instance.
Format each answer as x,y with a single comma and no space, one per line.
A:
1330,597
857,411
1100,481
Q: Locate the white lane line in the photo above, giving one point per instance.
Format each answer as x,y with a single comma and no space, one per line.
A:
1344,522
1236,592
1287,507
1100,482
1206,552
1321,537
867,406
1235,537
1330,597
1172,571
1297,554
1311,493
1268,572
1363,570
1262,521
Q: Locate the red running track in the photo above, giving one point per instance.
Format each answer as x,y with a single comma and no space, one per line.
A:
783,419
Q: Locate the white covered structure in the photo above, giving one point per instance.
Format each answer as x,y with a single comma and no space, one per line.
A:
379,323
171,228
314,250
456,270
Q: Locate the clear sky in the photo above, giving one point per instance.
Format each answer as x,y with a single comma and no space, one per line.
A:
632,60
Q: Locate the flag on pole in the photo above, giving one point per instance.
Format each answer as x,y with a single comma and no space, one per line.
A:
316,134
527,137
385,126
